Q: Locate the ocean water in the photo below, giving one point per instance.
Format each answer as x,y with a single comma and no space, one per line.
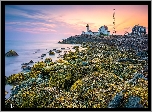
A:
29,50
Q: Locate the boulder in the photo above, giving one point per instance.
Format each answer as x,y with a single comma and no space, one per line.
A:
51,53
142,54
48,60
60,61
31,61
59,42
75,47
43,55
116,101
133,102
24,63
84,63
11,53
24,67
58,51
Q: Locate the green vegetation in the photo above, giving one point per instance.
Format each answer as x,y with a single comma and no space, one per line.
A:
82,79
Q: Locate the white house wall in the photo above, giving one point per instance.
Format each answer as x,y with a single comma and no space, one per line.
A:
108,33
101,30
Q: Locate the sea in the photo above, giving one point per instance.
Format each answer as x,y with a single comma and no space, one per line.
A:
30,50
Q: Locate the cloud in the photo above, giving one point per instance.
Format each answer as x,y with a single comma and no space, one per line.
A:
35,30
50,22
26,13
69,33
28,30
41,24
44,23
110,25
31,27
127,28
121,23
58,19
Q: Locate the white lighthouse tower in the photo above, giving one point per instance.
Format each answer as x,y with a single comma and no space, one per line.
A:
87,27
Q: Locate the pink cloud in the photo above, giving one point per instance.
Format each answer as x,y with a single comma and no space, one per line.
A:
68,33
32,24
31,27
35,30
46,30
26,30
64,20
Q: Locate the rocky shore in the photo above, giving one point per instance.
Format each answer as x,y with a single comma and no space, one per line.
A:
11,53
104,72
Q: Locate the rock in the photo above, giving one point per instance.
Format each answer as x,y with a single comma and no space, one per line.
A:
84,63
48,60
24,63
65,51
31,61
6,93
75,47
60,61
133,102
116,101
24,67
6,80
128,60
136,77
145,58
11,53
51,53
142,54
43,55
60,56
58,51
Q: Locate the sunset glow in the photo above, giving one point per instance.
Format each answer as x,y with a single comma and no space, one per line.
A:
58,22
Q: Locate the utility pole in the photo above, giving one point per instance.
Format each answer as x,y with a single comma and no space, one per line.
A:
114,31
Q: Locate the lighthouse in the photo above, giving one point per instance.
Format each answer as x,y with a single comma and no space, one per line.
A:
87,27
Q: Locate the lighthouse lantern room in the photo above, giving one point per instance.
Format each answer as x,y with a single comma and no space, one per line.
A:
87,27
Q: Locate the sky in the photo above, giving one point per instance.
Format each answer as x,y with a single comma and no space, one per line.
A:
54,22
